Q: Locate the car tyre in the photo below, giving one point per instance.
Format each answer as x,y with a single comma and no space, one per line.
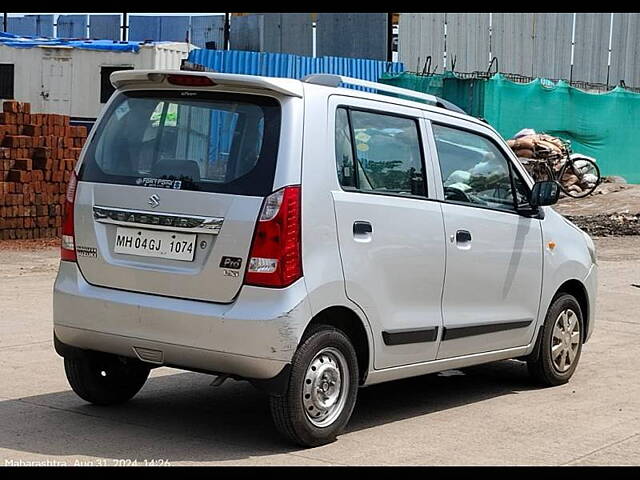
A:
557,353
105,379
322,389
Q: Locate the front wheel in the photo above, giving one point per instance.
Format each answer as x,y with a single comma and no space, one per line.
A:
560,343
322,389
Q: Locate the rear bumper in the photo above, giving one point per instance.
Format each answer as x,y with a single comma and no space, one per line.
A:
254,337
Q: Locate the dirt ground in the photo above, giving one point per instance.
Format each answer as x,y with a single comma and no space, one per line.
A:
486,415
612,210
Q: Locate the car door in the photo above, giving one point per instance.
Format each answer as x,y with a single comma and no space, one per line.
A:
390,234
493,274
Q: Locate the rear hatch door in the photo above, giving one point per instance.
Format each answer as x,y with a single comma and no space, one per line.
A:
170,188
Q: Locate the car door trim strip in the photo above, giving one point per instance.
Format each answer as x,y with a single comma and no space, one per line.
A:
405,336
452,333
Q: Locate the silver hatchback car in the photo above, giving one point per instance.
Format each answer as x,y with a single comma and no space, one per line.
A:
311,239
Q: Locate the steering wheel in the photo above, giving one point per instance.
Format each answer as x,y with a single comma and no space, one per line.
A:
452,193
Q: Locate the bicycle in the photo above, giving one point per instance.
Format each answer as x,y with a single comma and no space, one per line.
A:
576,174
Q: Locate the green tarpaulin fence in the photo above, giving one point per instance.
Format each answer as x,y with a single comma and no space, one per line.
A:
604,126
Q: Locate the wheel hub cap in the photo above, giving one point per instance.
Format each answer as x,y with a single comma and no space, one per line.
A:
565,340
325,387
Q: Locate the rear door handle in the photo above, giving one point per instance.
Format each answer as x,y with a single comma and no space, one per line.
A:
362,228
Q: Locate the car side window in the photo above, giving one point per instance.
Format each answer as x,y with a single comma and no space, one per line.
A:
344,149
474,171
387,150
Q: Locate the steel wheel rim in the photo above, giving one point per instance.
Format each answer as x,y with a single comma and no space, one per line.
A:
565,340
325,387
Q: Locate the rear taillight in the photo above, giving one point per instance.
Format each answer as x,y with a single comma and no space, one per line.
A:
275,258
68,244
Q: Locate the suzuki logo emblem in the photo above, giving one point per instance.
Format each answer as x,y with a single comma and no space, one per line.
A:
154,200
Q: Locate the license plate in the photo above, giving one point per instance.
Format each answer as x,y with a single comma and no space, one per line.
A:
155,243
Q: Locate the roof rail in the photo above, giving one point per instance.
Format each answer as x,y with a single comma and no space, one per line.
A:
331,80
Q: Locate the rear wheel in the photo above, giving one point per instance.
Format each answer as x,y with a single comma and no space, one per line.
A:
105,379
322,389
560,343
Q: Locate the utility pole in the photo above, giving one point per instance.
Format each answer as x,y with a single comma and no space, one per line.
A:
5,24
389,37
125,27
226,31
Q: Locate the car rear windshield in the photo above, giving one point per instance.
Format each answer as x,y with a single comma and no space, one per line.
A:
212,142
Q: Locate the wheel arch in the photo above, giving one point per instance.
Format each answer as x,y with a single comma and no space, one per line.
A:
348,321
577,289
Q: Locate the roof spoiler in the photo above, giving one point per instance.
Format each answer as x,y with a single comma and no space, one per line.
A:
288,87
330,80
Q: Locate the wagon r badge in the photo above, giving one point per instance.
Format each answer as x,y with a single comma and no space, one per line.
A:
154,200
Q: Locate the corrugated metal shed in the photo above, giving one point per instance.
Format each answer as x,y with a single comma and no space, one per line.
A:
290,66
552,44
625,64
357,35
592,45
512,42
421,35
530,44
467,41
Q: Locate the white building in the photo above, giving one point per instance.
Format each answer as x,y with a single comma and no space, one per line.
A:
71,80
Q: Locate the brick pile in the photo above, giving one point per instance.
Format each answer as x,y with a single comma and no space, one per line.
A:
38,152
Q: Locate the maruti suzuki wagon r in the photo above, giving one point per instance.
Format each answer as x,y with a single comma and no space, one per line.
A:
310,238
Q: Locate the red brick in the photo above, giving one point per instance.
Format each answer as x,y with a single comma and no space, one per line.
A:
10,106
23,164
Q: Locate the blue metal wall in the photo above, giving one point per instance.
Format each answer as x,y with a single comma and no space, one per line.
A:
144,28
31,25
207,29
44,25
174,29
72,26
22,26
104,27
148,27
290,66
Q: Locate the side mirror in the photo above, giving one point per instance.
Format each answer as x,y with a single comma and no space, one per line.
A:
544,193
